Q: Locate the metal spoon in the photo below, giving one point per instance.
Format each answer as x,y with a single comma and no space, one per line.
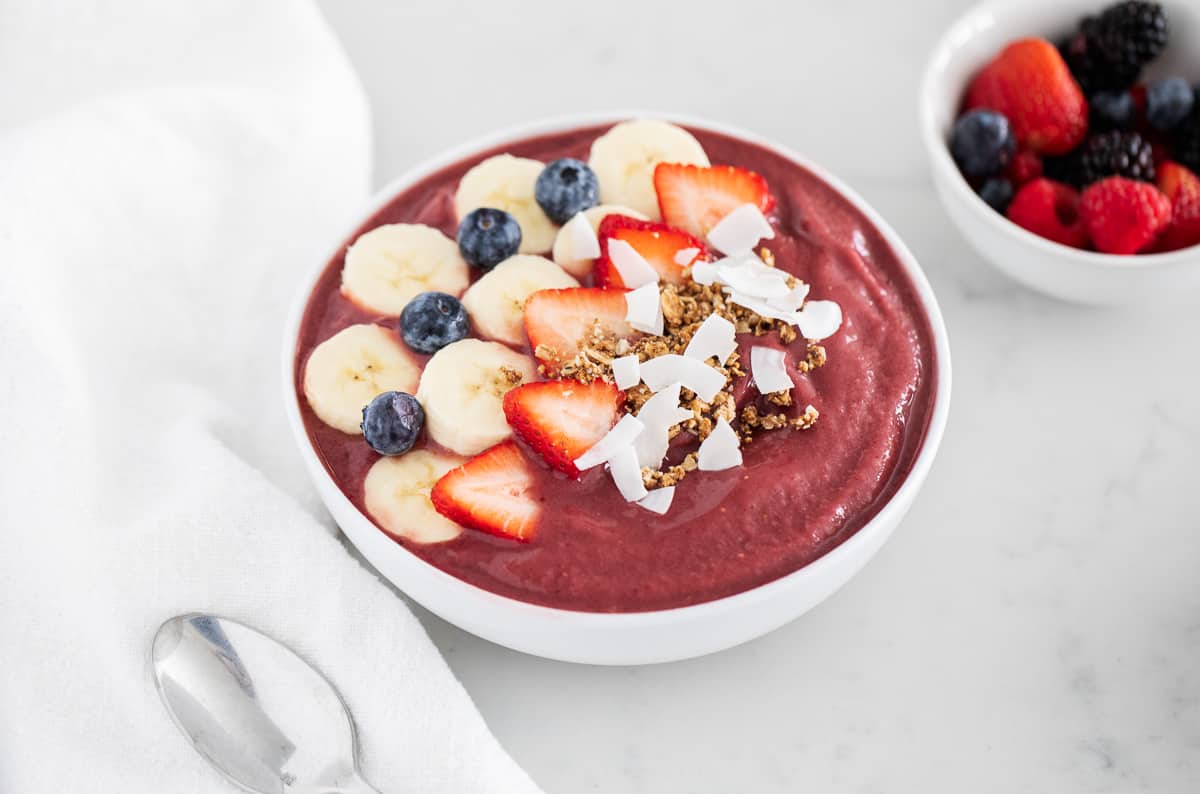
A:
258,712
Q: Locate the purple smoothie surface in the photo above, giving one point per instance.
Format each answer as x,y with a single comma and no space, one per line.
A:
799,493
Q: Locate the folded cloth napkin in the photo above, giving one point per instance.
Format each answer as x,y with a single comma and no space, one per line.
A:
168,170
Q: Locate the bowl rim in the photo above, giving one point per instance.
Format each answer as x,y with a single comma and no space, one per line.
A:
889,514
971,23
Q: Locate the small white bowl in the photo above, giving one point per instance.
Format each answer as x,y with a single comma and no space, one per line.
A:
1066,273
631,637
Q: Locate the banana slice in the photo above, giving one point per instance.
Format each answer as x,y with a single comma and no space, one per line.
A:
496,302
624,159
563,252
353,367
396,492
462,391
506,183
386,267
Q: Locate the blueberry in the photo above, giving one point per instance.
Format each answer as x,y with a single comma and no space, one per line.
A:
998,193
566,187
983,143
392,421
486,237
433,320
1168,102
1113,110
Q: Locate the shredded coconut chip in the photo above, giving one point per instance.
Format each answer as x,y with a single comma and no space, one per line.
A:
684,256
634,269
583,241
644,308
769,370
740,230
626,371
620,437
658,500
721,450
660,372
627,474
713,339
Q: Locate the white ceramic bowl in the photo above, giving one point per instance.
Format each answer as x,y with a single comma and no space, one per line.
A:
1066,273
622,638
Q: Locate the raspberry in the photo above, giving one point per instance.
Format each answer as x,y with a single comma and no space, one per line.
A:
1051,210
1124,216
1113,153
1182,187
1025,167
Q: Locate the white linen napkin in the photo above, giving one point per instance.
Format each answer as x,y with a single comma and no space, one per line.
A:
167,172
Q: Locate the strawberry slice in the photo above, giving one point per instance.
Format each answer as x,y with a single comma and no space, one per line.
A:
696,198
491,492
658,244
556,320
562,419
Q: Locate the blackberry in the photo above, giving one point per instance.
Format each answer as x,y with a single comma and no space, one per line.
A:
1110,51
1089,69
1065,168
1113,153
1187,141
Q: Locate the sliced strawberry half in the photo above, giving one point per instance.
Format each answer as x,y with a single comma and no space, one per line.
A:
557,319
491,492
658,244
695,198
562,419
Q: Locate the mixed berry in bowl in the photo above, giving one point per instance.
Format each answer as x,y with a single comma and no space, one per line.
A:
1069,142
617,368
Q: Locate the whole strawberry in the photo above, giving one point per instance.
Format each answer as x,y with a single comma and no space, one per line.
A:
1030,84
1182,187
1124,216
1049,209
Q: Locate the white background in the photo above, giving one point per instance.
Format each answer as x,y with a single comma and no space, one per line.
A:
1035,624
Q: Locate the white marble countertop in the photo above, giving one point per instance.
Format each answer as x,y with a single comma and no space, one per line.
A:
1035,623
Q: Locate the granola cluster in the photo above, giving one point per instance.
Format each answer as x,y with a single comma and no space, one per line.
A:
685,307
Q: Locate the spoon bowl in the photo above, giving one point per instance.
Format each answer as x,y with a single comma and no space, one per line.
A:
258,712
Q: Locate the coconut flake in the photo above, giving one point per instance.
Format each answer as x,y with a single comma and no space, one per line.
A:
748,275
769,369
760,306
658,415
793,300
581,237
704,273
643,308
660,372
634,269
714,337
819,319
627,474
659,500
626,371
620,437
721,450
684,256
740,230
